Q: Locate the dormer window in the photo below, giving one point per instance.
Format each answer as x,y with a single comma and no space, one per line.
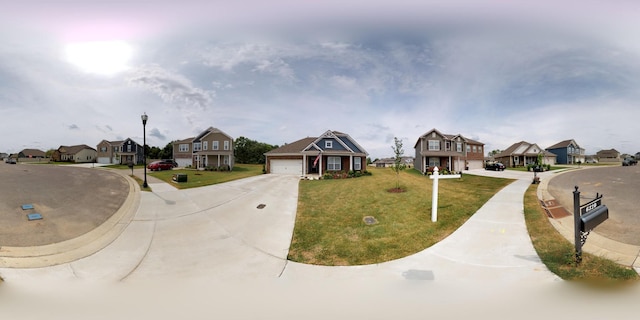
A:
328,144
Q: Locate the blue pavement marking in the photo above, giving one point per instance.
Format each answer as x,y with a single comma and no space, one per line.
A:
27,206
34,216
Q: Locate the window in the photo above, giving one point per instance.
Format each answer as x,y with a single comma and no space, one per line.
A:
458,146
357,163
479,149
447,145
334,164
468,148
434,162
225,159
183,147
226,145
196,146
129,148
434,145
103,149
328,144
475,149
205,145
214,145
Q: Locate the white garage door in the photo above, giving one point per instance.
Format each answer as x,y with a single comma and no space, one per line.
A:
183,162
286,166
475,164
103,160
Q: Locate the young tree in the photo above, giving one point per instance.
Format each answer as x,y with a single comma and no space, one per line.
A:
398,164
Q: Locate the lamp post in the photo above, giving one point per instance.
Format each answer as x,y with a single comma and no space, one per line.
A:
144,118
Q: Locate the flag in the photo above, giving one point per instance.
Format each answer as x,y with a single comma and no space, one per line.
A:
315,162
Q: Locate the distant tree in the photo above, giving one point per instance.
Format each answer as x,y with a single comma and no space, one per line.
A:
153,152
49,153
368,160
398,164
166,152
494,152
251,151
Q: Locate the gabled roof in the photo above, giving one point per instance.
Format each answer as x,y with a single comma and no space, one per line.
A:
312,144
33,152
207,132
563,144
74,149
451,137
187,140
293,148
523,148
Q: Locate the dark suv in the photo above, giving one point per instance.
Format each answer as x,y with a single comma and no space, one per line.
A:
497,166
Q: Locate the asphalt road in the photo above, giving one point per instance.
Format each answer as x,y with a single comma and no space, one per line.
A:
71,200
620,187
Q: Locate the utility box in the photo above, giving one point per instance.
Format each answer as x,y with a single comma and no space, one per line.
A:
180,177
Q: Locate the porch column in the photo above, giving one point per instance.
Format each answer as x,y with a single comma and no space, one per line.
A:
320,168
351,163
218,160
304,165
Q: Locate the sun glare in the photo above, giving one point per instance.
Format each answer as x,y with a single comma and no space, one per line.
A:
99,57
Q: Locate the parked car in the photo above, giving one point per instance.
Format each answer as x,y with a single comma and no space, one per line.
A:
160,165
11,160
629,162
496,166
173,163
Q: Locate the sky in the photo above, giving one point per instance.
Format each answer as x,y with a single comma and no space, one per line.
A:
79,72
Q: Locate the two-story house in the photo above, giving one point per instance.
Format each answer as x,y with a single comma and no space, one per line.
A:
453,152
567,152
78,154
332,151
211,148
120,152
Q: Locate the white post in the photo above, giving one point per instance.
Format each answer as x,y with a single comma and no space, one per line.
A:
434,196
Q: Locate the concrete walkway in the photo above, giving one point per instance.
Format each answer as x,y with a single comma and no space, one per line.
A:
212,251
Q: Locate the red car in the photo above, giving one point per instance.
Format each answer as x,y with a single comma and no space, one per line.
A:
160,165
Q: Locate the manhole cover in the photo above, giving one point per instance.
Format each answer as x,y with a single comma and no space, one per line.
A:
369,220
262,205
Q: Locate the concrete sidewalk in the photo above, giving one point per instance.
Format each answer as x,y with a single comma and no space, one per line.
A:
217,232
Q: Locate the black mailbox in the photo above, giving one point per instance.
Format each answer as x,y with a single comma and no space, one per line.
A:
593,218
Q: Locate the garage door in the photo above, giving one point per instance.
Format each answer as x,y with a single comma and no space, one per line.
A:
286,166
103,160
183,162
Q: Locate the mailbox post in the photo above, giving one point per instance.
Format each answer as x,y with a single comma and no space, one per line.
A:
585,218
434,195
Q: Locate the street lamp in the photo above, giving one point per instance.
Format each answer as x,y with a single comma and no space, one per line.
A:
144,118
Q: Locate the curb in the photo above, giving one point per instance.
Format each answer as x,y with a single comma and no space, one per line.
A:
619,252
79,247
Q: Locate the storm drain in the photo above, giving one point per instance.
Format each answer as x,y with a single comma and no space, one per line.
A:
369,220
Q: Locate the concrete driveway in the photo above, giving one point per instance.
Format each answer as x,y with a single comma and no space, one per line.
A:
216,231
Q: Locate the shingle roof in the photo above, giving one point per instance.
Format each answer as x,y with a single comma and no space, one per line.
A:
562,144
294,147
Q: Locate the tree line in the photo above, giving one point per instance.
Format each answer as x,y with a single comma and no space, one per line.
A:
245,151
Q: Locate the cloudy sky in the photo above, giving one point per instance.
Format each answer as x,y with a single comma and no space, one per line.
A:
74,72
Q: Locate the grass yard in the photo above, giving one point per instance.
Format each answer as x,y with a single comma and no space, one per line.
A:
197,178
558,254
330,227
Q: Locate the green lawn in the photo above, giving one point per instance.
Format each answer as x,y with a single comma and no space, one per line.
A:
558,254
330,229
197,178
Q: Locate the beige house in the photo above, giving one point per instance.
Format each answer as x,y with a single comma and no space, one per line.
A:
523,153
211,148
78,154
451,151
120,152
611,155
